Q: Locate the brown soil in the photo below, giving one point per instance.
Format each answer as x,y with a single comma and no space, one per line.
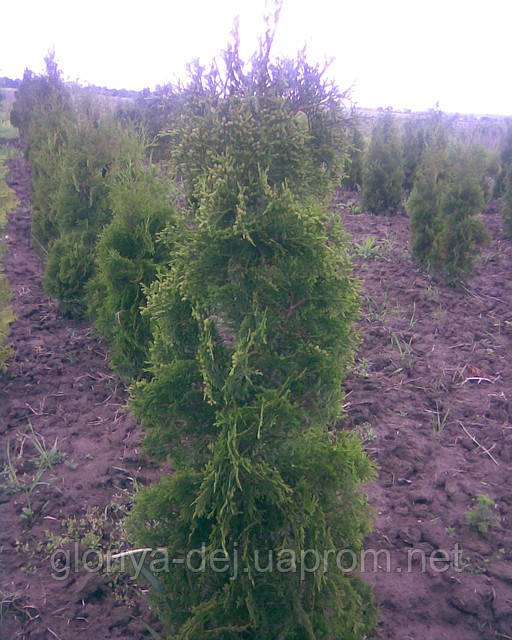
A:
59,382
456,363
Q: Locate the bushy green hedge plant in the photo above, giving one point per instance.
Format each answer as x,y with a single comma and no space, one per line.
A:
7,203
68,269
505,161
447,197
253,332
383,168
506,204
43,112
128,254
353,170
82,206
264,350
461,233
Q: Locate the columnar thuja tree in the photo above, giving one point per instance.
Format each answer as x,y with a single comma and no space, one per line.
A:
353,170
506,204
128,254
43,112
424,202
505,161
383,168
253,330
461,233
446,232
81,201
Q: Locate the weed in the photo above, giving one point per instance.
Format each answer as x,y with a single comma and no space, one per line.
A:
362,368
439,420
13,604
15,485
47,458
366,433
413,320
404,348
482,517
368,250
387,244
432,292
350,207
376,310
438,315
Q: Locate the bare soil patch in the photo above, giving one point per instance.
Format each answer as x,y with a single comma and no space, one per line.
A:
59,385
434,369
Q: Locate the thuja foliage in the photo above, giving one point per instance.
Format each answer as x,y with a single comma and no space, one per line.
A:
420,133
353,170
261,360
283,117
506,204
43,113
128,254
81,202
424,202
505,162
253,331
383,168
413,144
40,94
7,202
461,232
446,232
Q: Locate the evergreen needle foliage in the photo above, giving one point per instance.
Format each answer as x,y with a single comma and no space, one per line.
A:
383,168
506,204
253,332
7,203
461,233
353,171
272,304
505,162
127,257
447,197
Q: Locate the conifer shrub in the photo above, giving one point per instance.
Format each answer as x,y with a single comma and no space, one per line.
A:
413,145
128,255
7,203
422,133
68,268
461,233
383,168
43,112
506,204
284,117
81,202
423,210
353,170
253,332
505,162
444,208
423,205
39,94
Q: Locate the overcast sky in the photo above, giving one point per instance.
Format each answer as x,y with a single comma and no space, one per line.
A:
400,53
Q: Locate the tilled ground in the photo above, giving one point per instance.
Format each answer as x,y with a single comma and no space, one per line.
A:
59,390
431,395
433,379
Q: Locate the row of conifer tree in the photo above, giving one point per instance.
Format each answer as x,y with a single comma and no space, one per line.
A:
193,228
213,266
444,175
